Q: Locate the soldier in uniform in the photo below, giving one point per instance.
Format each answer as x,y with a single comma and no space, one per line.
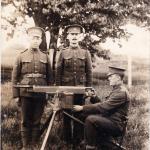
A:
32,67
107,117
74,69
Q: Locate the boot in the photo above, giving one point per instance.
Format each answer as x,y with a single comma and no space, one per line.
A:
26,138
89,147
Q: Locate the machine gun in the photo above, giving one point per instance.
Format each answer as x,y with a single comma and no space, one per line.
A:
55,89
58,104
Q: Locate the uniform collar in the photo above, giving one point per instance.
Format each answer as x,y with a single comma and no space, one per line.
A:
74,48
116,87
34,50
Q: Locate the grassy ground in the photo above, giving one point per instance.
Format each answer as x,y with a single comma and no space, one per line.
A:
137,130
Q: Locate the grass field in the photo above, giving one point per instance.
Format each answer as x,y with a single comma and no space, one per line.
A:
137,134
137,130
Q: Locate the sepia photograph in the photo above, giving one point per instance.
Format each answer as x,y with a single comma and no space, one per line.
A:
75,74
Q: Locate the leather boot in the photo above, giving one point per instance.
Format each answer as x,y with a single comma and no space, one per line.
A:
89,147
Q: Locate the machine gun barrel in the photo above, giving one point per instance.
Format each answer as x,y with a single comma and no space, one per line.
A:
61,89
54,89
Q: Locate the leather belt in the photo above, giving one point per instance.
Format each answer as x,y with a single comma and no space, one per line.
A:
35,75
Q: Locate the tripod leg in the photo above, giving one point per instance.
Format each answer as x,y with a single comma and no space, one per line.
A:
72,133
46,124
48,131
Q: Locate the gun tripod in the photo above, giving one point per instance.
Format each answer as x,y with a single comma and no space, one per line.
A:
50,121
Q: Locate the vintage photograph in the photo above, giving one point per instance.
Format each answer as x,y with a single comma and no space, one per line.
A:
75,74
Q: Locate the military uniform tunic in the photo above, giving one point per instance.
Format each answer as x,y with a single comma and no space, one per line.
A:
32,67
74,69
107,117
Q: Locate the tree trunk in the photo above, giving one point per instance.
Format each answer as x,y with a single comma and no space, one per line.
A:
53,45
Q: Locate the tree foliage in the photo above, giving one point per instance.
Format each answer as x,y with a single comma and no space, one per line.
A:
103,18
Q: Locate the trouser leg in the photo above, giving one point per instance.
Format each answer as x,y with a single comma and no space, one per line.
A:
37,115
26,126
35,138
90,132
67,128
96,126
26,140
78,128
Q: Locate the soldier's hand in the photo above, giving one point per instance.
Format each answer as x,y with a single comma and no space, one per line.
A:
77,108
18,101
90,93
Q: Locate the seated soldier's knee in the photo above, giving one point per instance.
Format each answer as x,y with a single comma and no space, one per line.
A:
90,119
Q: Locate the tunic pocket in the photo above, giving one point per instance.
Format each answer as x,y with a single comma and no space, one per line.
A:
25,66
43,64
68,62
81,62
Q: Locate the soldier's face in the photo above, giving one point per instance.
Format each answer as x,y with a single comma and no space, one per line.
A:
114,79
73,38
35,41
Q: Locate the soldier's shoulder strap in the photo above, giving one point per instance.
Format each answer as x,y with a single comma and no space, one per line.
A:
44,52
24,51
64,48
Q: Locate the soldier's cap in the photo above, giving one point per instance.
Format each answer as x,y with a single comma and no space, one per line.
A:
116,70
74,28
35,31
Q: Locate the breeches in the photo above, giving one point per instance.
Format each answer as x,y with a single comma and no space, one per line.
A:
97,126
31,112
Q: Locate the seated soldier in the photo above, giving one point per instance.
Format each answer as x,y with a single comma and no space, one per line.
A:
107,117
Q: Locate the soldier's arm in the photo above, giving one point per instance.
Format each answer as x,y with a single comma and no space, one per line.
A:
59,69
95,99
49,72
88,69
93,96
114,102
16,74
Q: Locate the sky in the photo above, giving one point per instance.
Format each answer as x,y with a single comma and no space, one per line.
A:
137,45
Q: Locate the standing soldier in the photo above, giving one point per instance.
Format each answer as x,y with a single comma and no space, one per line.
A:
32,67
108,117
74,69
